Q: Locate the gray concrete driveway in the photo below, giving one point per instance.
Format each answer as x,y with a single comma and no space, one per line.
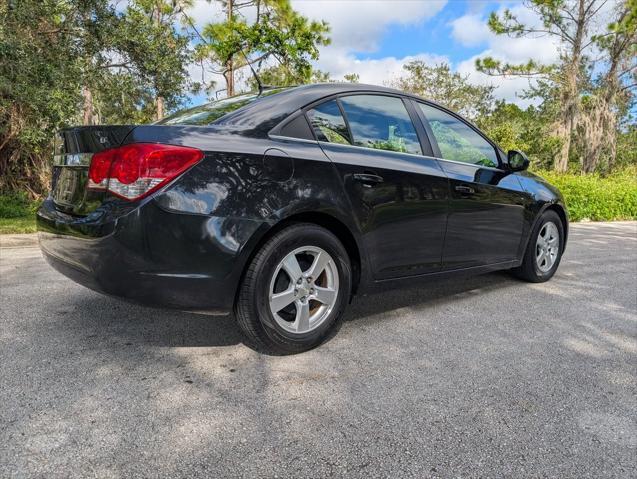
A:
485,376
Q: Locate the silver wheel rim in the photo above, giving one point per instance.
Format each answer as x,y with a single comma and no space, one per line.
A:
547,247
303,289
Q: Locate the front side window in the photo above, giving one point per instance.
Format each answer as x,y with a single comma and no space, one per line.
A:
328,123
457,140
380,122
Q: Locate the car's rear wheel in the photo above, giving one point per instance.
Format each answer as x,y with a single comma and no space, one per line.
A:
544,250
295,290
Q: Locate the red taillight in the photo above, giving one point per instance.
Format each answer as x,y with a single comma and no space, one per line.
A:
136,170
98,171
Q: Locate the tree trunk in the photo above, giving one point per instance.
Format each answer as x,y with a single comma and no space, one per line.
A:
229,66
229,77
593,138
568,119
570,93
612,151
159,100
561,161
159,106
88,108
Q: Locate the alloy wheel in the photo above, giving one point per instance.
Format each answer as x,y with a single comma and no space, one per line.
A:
303,289
547,247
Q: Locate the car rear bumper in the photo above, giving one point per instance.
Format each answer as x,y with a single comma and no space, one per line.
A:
149,255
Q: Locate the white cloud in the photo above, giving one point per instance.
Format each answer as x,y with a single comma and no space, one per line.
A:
203,12
470,30
350,37
355,26
370,70
358,25
507,88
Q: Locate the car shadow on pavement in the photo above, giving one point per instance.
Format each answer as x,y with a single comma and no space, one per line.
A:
118,321
109,319
427,293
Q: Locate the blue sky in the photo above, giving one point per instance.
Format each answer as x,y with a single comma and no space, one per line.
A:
375,38
434,34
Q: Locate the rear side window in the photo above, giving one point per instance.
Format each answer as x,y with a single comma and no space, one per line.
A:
457,140
380,122
297,128
328,123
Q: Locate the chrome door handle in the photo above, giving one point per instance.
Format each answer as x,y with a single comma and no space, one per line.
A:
465,190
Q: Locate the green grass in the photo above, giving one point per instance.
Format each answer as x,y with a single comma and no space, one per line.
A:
17,213
17,225
597,198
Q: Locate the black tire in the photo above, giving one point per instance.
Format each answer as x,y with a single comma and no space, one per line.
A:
252,308
529,269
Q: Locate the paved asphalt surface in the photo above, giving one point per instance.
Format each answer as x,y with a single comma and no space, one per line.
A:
485,376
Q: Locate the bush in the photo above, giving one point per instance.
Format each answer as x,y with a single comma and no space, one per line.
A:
17,205
596,198
17,213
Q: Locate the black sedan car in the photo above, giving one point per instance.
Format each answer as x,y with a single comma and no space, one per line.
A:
281,206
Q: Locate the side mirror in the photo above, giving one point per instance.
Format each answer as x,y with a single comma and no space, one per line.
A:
517,160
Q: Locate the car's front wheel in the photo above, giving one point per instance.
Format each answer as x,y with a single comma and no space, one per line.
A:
544,250
295,290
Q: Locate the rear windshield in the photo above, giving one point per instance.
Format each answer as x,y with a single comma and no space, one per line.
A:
211,112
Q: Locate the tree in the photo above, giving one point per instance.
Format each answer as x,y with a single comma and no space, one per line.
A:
352,77
514,128
279,75
78,61
278,33
627,146
141,44
569,22
611,93
42,46
450,89
150,43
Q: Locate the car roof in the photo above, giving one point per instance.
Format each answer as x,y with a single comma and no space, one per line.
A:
320,90
267,111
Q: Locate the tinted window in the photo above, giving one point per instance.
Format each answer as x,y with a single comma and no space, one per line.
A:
297,128
328,124
380,122
457,140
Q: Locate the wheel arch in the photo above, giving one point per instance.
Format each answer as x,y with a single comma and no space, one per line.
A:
561,212
563,215
325,220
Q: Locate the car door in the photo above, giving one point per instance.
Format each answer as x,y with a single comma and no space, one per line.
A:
486,202
398,196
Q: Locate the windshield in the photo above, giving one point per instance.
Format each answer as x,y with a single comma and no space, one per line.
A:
210,112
